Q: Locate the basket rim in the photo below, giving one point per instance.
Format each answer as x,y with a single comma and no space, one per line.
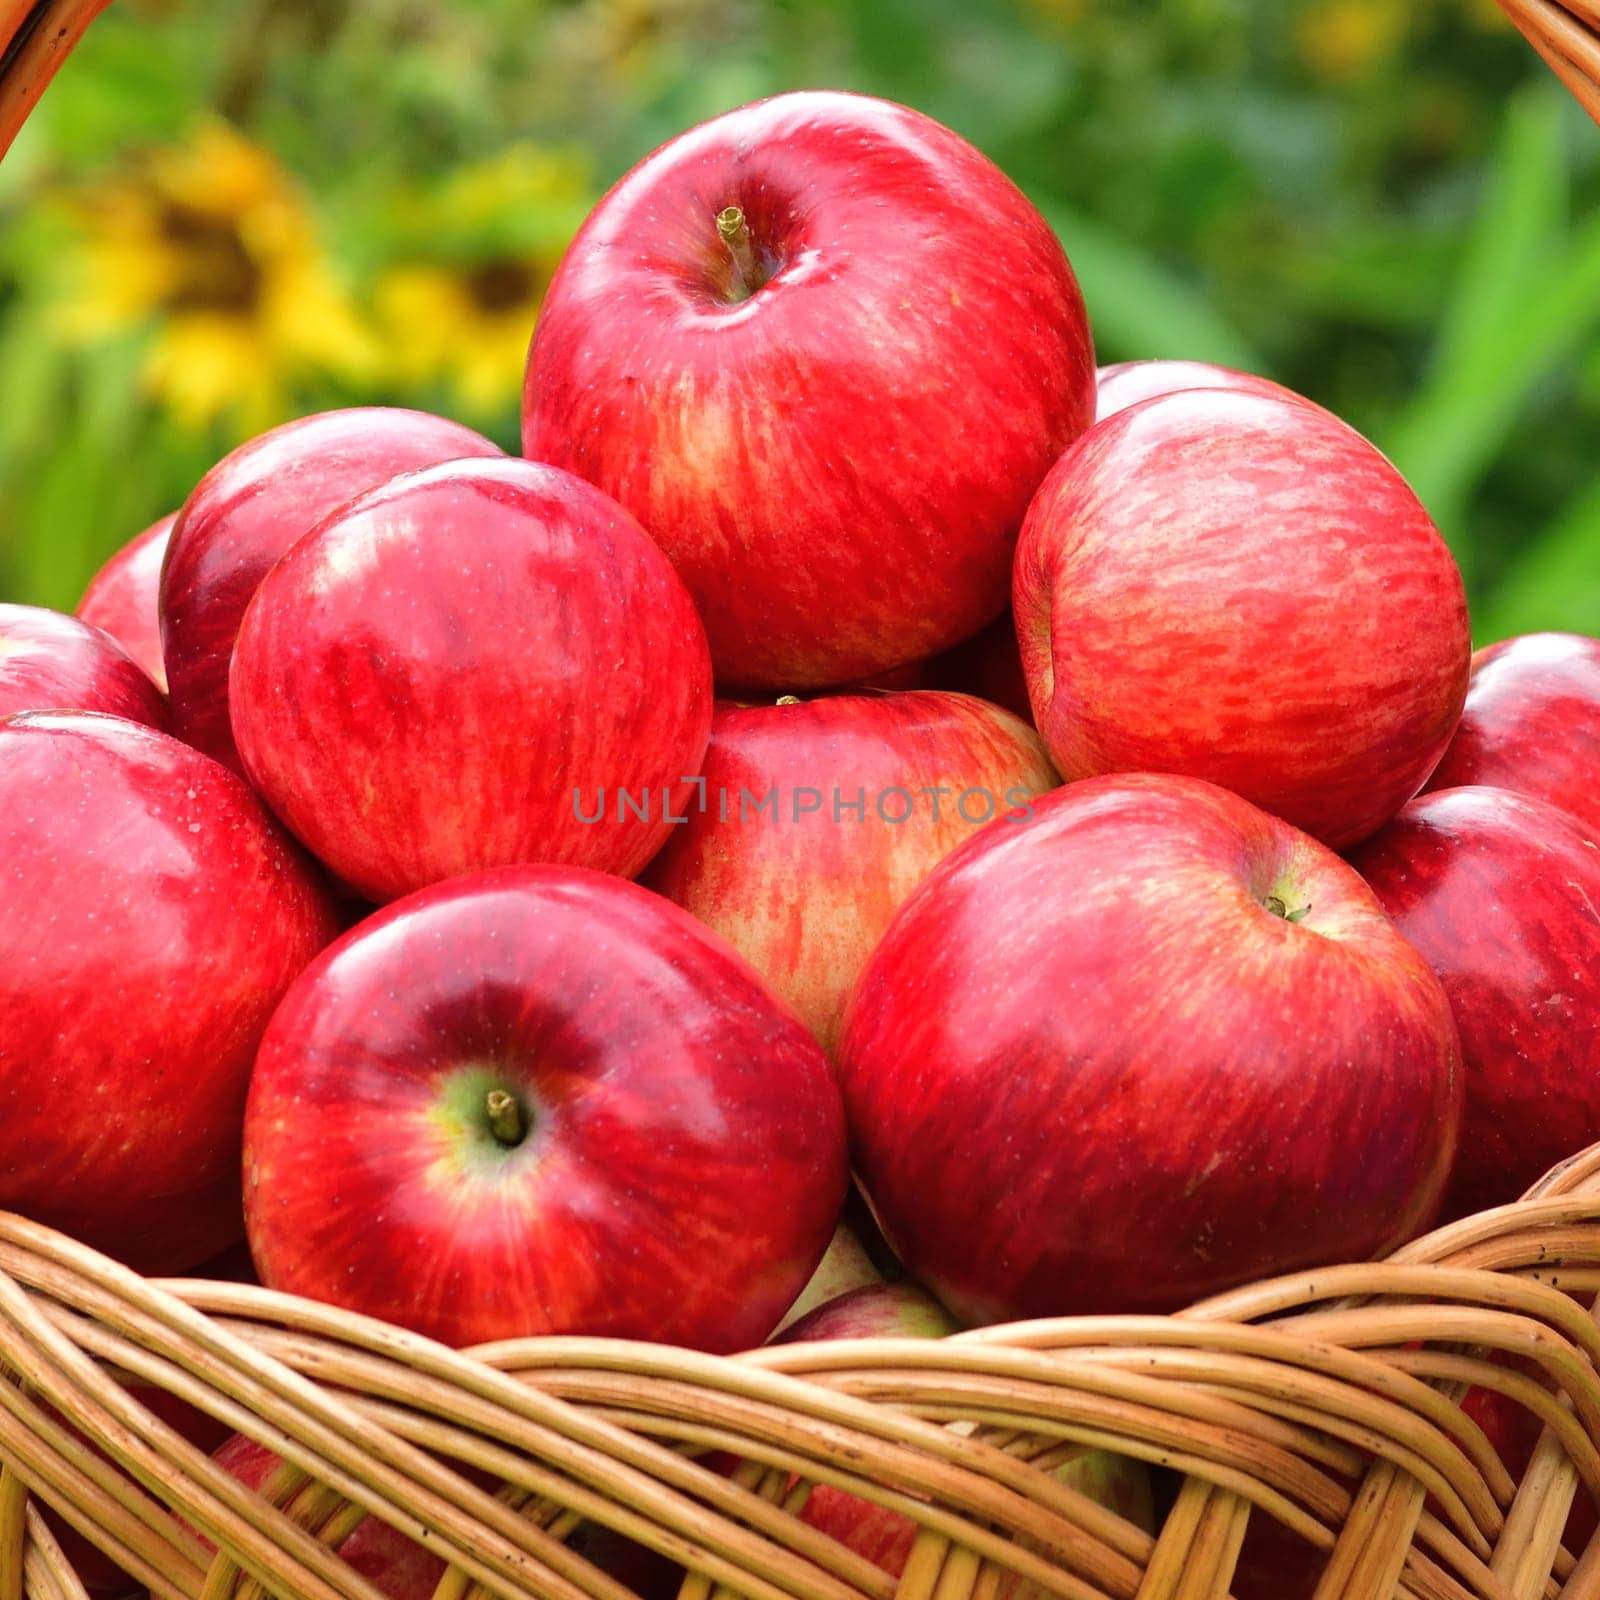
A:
36,37
1566,34
1269,1398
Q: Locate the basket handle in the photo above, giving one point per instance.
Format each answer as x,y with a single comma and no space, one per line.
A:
36,36
1564,33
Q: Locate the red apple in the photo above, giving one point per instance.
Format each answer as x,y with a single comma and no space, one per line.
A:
989,665
884,1537
397,1567
51,662
542,1100
1242,589
151,916
825,351
96,1572
1148,1046
1532,724
1278,1565
1514,1432
903,1310
527,683
251,509
804,889
123,598
1500,894
874,1311
400,1569
913,675
1127,383
845,1265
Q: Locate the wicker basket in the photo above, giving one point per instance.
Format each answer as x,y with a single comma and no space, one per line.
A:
36,36
1567,34
1328,1403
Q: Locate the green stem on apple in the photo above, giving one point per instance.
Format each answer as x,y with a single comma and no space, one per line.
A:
505,1118
736,236
1280,909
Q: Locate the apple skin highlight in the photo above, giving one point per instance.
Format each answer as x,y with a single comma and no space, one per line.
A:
1144,1048
837,461
674,1167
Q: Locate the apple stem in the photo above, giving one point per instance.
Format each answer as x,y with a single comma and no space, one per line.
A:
736,236
505,1118
787,700
1279,909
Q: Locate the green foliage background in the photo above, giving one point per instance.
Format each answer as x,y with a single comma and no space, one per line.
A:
1385,203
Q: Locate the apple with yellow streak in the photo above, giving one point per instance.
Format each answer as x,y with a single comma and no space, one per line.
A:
824,350
542,1100
867,794
885,1537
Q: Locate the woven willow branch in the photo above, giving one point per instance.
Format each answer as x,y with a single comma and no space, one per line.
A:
36,36
1567,34
1327,1401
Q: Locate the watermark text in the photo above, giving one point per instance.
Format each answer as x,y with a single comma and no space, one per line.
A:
894,805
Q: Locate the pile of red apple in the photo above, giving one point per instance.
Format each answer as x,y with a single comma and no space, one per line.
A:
516,894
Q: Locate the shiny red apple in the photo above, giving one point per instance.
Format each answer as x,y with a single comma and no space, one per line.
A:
1276,1564
98,1573
400,1569
528,682
1242,589
1501,894
907,1311
1148,1046
1532,724
825,351
151,917
819,817
124,596
542,1100
51,662
251,509
902,1310
845,1265
872,1311
397,1567
1127,383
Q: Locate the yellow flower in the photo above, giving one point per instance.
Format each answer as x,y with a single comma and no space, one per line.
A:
461,313
210,245
469,328
1340,40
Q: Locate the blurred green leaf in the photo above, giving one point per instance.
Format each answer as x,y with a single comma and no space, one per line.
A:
1371,199
1137,308
1555,583
1526,292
